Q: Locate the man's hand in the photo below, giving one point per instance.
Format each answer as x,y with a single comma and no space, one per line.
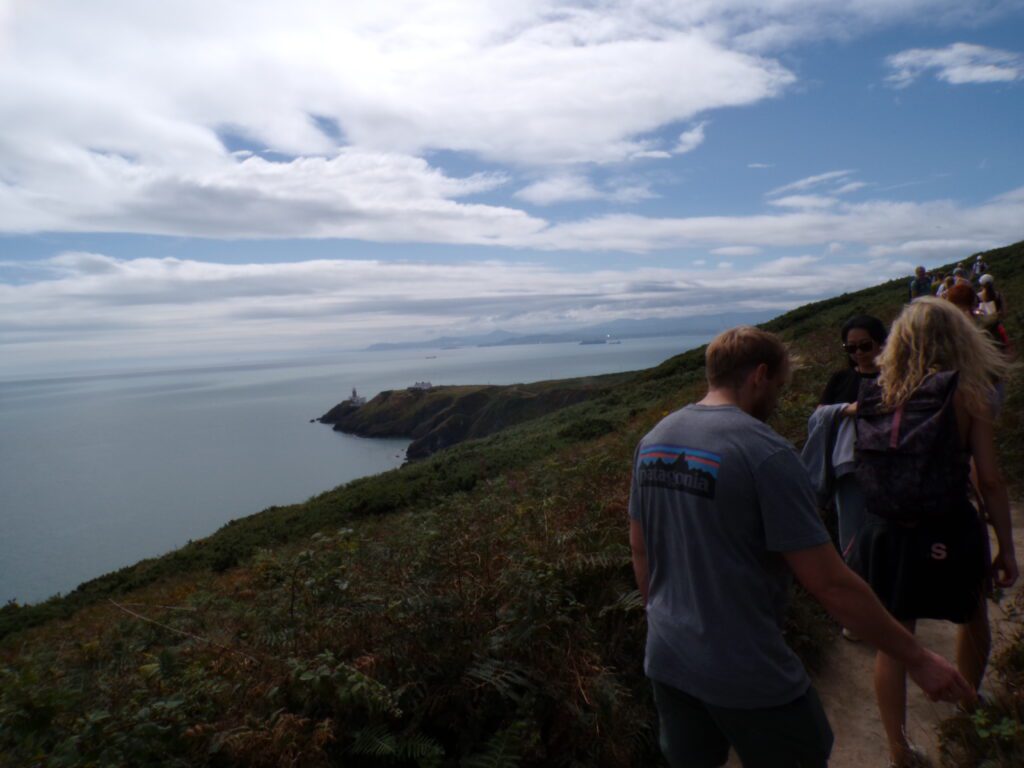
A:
850,410
1004,569
939,679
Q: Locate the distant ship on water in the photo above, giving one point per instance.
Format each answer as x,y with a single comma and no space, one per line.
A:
609,339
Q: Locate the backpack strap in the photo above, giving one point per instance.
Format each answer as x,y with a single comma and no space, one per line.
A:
894,434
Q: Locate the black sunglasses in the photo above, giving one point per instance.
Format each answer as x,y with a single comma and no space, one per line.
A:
864,346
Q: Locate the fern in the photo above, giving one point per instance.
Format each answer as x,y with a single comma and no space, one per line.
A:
380,743
504,750
506,678
598,561
426,752
376,741
628,602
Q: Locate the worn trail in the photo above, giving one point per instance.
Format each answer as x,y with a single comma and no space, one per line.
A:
845,687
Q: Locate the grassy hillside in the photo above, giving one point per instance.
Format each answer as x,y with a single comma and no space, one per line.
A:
475,608
440,417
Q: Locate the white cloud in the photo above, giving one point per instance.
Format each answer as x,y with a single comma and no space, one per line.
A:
117,119
864,224
770,25
354,194
80,306
568,187
559,189
936,248
810,181
760,165
689,140
787,265
629,192
736,250
165,118
534,82
957,64
852,186
804,201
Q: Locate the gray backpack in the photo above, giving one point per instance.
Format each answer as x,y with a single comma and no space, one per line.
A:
909,460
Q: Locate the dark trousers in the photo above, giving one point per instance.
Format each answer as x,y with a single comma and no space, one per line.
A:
693,734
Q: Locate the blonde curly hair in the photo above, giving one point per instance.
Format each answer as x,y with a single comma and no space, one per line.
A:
932,335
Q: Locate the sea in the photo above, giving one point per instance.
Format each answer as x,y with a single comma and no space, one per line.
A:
99,471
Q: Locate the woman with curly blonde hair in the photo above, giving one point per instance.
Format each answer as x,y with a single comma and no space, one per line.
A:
936,565
932,335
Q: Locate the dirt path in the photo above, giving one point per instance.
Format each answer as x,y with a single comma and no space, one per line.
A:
845,687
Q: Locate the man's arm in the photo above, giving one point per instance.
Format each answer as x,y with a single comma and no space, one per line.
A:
639,549
850,600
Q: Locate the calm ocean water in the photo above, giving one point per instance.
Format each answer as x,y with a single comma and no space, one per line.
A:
97,472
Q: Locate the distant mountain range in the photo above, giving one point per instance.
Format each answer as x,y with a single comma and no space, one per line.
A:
616,329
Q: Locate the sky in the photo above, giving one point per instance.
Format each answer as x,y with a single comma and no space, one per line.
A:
218,182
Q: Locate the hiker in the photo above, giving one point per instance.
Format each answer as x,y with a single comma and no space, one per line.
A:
828,452
722,515
863,338
964,297
960,276
979,267
990,301
967,301
923,548
920,284
947,282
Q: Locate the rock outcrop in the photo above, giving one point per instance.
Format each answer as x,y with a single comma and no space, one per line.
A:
443,416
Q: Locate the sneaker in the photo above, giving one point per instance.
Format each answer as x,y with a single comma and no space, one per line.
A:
916,758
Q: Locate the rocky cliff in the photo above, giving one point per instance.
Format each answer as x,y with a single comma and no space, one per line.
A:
443,416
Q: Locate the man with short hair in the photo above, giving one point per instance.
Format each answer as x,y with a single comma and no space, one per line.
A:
722,515
920,284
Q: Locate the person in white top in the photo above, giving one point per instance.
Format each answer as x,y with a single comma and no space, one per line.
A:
990,301
944,286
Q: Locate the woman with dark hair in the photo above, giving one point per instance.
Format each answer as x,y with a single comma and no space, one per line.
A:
863,337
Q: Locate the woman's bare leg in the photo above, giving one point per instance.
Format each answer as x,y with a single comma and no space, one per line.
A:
891,693
973,645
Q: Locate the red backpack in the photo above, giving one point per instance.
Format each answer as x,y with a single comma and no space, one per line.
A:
909,460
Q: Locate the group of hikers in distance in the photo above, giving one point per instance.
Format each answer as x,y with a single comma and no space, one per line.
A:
724,513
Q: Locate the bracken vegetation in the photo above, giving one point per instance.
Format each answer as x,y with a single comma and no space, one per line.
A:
472,609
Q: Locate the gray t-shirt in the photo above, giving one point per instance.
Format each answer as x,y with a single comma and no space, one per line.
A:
719,495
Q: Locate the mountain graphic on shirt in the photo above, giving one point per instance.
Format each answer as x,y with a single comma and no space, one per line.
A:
678,468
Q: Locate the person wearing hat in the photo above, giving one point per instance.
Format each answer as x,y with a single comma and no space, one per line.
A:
979,267
990,301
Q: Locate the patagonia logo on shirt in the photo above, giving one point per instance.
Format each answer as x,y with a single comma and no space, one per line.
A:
678,468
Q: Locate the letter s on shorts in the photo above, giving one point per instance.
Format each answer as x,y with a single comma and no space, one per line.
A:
938,552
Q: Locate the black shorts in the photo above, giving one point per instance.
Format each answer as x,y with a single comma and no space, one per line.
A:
693,734
936,569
